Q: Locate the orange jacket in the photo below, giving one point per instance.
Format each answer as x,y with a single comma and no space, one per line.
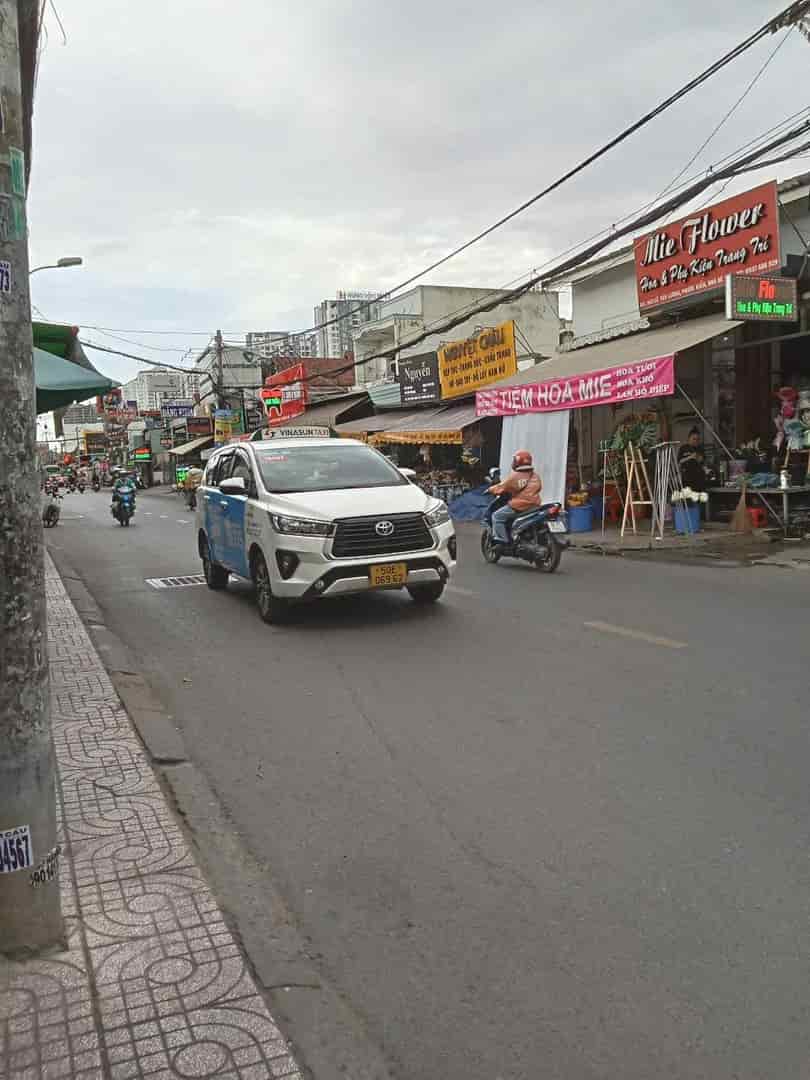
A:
524,487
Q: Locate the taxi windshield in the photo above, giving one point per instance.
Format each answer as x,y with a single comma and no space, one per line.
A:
325,468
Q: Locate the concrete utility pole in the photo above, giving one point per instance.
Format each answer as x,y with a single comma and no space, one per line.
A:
30,917
218,388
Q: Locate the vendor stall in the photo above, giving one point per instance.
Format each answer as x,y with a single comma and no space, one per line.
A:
442,445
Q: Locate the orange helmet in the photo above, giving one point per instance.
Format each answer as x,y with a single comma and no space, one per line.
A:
522,461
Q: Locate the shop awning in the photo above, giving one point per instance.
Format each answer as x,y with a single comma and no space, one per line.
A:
667,340
61,382
323,413
193,446
633,368
444,427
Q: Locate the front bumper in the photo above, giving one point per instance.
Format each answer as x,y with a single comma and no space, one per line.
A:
318,575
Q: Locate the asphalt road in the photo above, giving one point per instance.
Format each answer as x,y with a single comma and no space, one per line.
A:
554,827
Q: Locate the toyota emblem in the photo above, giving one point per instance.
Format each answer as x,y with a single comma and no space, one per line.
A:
384,528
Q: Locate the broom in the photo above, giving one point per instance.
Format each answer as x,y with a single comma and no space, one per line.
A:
740,521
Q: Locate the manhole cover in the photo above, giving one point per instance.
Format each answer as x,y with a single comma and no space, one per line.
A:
181,582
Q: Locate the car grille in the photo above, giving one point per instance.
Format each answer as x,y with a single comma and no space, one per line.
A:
359,536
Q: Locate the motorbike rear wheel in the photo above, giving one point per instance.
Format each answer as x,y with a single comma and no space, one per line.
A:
549,563
488,550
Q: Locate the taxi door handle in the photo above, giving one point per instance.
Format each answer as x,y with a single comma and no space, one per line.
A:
224,505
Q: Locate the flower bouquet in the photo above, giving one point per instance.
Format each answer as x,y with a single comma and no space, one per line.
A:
687,495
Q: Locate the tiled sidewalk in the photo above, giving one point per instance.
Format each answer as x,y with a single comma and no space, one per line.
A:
153,983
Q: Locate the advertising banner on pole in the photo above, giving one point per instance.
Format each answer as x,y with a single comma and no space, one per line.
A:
632,382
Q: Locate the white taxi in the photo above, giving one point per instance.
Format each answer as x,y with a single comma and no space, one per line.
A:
309,518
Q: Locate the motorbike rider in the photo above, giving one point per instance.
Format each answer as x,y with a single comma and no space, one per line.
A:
524,485
123,484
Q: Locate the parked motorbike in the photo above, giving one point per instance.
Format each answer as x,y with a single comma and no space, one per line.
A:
80,485
535,536
96,484
139,484
71,485
51,509
124,506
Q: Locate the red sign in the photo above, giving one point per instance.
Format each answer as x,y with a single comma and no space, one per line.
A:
285,395
694,255
318,370
633,382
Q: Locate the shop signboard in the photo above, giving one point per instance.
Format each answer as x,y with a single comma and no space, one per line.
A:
466,366
174,409
142,453
693,256
197,426
227,424
418,378
285,395
762,299
95,442
609,386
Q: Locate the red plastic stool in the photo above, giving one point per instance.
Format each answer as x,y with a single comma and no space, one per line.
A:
758,516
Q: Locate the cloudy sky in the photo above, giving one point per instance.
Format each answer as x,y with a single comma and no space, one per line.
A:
232,165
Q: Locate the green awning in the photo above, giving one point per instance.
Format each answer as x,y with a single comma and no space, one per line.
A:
60,382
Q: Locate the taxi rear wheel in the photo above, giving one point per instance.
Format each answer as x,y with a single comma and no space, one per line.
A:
216,576
272,609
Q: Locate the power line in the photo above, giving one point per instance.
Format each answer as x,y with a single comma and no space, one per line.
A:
788,17
140,359
646,219
727,115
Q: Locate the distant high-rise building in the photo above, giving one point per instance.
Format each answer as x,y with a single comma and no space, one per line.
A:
274,343
352,310
150,389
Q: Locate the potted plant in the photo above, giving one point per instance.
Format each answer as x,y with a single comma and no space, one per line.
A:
686,509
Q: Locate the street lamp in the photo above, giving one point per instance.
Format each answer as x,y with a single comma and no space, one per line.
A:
70,260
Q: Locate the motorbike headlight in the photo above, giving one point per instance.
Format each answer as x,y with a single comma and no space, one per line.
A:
437,515
293,526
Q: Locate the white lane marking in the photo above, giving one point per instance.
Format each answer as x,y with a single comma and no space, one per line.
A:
462,592
637,635
183,521
164,517
148,513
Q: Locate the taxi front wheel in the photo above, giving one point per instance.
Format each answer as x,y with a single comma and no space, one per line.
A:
271,608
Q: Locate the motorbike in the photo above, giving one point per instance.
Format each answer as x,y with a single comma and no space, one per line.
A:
139,484
51,509
71,485
535,536
124,506
96,484
80,485
191,499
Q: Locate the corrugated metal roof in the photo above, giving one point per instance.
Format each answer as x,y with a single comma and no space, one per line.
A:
325,412
626,350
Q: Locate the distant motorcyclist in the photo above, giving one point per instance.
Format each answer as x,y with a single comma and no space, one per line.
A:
523,485
123,485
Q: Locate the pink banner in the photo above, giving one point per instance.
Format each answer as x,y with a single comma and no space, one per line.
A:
633,382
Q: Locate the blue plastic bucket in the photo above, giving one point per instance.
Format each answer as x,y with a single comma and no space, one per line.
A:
580,518
686,521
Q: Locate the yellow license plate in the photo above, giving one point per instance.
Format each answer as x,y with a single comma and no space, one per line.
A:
388,575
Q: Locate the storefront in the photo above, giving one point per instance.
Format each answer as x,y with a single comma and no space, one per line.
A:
681,368
189,456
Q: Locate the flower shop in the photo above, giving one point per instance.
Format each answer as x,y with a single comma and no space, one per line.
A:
681,426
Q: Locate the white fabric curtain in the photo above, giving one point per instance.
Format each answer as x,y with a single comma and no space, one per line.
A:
546,436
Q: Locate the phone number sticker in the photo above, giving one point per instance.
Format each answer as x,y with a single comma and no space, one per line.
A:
15,849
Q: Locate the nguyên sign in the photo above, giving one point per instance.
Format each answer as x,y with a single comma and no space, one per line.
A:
694,256
762,299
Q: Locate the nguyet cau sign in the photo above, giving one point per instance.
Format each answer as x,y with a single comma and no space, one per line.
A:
694,256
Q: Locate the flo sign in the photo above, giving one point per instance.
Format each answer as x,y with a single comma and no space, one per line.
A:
694,256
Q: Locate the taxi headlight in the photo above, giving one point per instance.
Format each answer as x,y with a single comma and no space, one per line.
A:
292,526
437,515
